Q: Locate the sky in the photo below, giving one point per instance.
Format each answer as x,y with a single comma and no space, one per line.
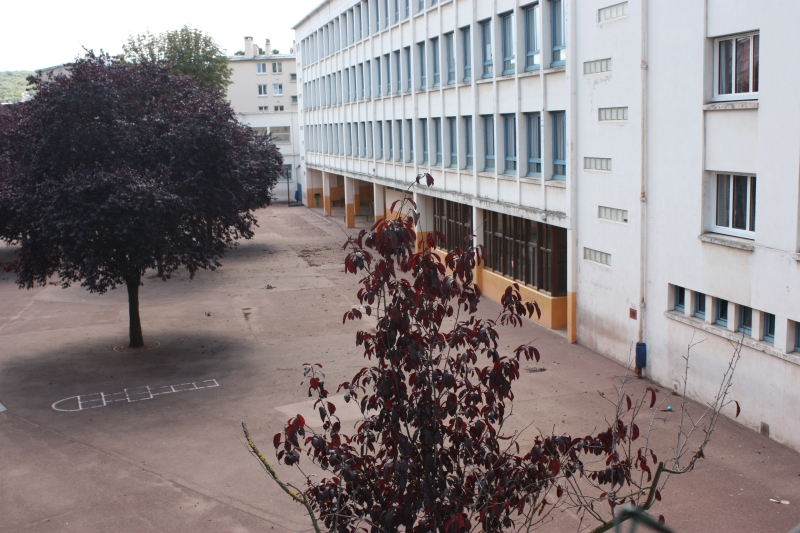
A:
51,32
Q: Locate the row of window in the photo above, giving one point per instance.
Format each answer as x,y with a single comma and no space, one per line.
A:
277,89
721,313
280,134
362,139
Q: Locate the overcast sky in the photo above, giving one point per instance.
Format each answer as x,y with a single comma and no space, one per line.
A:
44,33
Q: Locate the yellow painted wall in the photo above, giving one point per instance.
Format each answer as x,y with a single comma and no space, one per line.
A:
310,196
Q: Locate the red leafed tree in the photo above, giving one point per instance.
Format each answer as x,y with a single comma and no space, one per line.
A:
431,453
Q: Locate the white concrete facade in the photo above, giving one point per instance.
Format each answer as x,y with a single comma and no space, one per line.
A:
655,146
263,93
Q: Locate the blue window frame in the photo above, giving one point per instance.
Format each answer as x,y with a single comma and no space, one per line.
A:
559,42
769,327
408,9
437,140
420,6
378,75
680,299
559,145
532,44
700,305
423,123
397,10
410,126
400,140
510,143
389,144
408,69
385,13
397,73
361,79
422,79
486,48
488,143
721,317
387,62
507,25
451,58
451,123
379,155
468,144
745,320
533,129
466,44
377,18
435,51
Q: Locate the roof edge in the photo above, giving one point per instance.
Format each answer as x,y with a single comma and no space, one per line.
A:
310,13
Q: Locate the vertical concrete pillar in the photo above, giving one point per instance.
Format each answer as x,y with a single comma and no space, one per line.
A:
380,201
349,206
572,286
326,193
758,325
357,197
425,225
477,229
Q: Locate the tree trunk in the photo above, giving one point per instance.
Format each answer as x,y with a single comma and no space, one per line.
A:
160,265
132,282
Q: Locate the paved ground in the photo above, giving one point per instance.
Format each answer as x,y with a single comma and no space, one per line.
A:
230,349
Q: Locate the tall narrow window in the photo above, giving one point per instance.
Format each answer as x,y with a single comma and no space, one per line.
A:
366,19
559,146
488,143
700,305
468,144
407,12
769,327
397,73
388,64
559,41
408,68
466,46
361,81
410,128
435,52
400,140
680,299
424,138
745,320
420,6
377,17
509,64
486,48
722,313
737,67
397,11
421,47
378,76
380,140
532,45
437,140
357,12
510,143
451,123
736,205
277,67
533,127
451,58
349,143
385,13
389,144
368,79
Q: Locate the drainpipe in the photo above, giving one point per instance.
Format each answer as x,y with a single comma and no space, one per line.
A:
643,192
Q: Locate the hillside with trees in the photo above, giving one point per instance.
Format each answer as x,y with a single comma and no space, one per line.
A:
12,84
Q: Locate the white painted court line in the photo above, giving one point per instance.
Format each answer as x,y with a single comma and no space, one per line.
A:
133,394
2,407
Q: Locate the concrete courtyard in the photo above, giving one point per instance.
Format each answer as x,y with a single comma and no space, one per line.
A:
231,345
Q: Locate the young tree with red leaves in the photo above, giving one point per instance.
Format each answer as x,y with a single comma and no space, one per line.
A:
115,168
431,452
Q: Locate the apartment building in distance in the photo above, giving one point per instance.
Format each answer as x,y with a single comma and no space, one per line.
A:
629,164
263,93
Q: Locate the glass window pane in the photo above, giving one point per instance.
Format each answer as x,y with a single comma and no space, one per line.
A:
755,63
740,202
743,65
752,203
723,200
725,67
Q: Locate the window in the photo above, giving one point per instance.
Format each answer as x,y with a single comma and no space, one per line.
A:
397,73
278,108
277,67
421,47
680,299
605,114
262,90
435,52
357,15
277,89
261,68
454,221
363,137
597,66
507,25
486,48
379,155
424,128
451,58
451,122
488,142
559,146
612,12
367,79
407,12
410,126
533,125
263,108
796,337
397,10
389,143
769,327
361,80
737,67
466,44
532,45
366,19
736,205
354,85
613,214
388,64
420,6
745,320
437,140
722,313
534,253
557,35
510,143
287,172
468,148
280,134
700,305
597,256
400,140
597,163
378,74
408,68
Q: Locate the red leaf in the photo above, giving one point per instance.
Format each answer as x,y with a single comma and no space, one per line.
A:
634,431
391,209
652,398
276,440
331,408
628,401
301,420
429,179
661,519
658,495
738,409
559,491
